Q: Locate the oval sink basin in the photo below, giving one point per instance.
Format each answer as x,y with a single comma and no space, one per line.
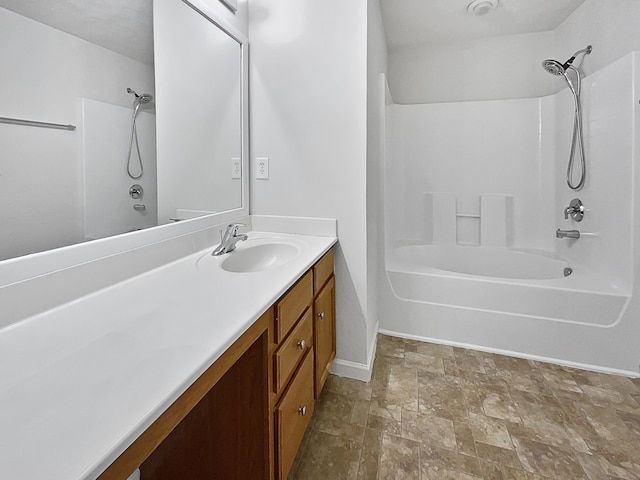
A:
260,257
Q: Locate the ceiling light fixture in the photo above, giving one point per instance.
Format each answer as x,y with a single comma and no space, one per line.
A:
481,7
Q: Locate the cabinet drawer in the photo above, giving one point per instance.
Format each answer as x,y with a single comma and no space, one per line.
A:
291,306
322,271
293,414
288,356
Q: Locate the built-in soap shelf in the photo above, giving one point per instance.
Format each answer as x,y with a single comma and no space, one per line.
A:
493,226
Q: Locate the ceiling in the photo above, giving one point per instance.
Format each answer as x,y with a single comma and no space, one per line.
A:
124,26
419,22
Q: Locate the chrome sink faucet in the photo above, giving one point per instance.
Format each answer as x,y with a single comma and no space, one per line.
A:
229,239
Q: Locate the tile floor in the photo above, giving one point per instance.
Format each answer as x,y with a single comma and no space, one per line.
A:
439,412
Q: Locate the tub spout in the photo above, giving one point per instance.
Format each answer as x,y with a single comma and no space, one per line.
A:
567,233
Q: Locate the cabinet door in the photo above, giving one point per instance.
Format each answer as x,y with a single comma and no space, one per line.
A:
325,333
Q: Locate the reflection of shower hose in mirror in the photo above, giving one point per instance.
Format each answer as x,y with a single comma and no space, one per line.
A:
139,100
134,138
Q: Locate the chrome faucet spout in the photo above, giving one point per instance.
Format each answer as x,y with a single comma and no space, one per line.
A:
230,239
567,233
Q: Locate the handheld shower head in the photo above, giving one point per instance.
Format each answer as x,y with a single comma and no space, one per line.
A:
145,98
553,67
140,99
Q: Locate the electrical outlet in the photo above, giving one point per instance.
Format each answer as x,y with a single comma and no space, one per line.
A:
262,168
236,168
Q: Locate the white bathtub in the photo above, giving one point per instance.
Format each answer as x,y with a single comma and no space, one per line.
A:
500,280
482,261
500,300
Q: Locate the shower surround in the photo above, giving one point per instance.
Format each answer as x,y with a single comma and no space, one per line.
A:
483,185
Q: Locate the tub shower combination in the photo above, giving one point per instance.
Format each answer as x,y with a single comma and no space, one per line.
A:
467,268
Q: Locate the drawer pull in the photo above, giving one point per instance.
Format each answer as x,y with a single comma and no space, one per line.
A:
321,315
302,344
302,410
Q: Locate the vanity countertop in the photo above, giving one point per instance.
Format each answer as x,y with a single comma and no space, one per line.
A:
82,381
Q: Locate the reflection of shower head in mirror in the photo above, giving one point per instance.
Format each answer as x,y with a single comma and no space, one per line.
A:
144,98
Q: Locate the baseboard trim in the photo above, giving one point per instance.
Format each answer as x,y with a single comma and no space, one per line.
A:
355,370
509,353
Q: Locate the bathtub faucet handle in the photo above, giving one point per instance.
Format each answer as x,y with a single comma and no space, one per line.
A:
575,209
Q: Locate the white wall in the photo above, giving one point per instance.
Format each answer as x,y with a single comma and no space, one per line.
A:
483,69
469,149
376,86
509,67
308,115
45,73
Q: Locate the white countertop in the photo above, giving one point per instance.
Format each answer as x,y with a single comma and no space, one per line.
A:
82,381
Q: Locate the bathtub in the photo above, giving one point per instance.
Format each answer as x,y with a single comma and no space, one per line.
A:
495,299
481,261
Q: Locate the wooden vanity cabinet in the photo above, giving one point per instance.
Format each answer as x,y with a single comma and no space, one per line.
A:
245,417
303,352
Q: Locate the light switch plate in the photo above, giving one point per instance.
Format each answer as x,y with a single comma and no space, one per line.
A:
262,168
236,168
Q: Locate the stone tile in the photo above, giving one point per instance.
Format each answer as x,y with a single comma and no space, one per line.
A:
591,466
429,429
368,467
386,406
332,415
530,381
619,461
513,474
512,364
433,349
450,367
553,462
499,406
442,464
467,361
360,412
433,411
388,347
490,431
384,425
344,386
604,397
328,456
410,348
399,458
403,382
464,438
472,400
441,395
424,362
490,470
559,380
606,381
503,456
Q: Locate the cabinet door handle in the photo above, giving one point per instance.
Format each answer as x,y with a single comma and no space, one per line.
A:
302,410
321,315
302,344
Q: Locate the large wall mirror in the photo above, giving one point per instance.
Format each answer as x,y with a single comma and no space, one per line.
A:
158,138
